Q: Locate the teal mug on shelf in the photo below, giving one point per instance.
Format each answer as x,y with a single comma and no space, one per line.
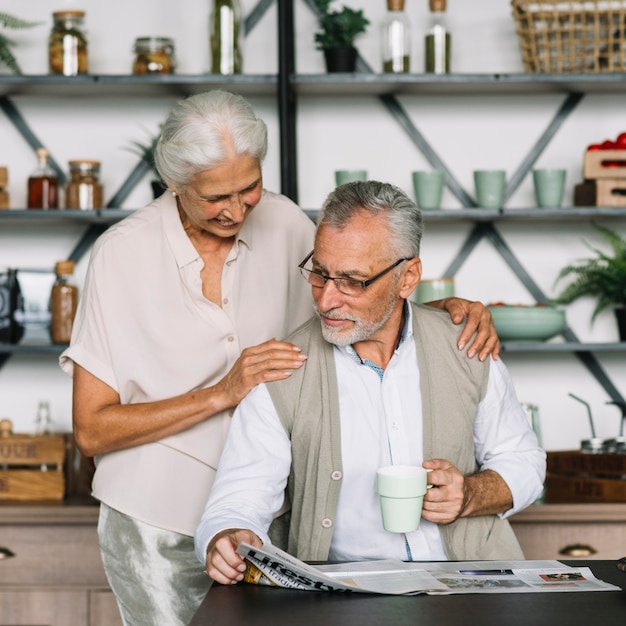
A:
549,187
428,188
490,186
348,176
433,289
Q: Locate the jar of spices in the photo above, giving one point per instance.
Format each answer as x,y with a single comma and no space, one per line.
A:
67,45
154,55
84,190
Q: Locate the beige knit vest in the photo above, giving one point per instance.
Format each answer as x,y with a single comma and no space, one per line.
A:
307,403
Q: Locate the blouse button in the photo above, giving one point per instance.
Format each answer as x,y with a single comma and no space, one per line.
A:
336,475
327,523
231,338
225,300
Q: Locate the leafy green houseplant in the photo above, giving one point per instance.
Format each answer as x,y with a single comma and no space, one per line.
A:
602,276
337,33
6,56
145,150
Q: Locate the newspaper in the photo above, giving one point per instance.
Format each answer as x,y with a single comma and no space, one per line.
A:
271,566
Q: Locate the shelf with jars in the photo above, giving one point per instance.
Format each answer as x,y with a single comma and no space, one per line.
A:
372,84
135,85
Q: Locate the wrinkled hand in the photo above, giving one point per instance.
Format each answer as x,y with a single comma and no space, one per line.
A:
445,502
477,319
271,360
223,564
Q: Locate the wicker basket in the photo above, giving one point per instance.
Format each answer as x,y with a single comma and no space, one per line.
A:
563,36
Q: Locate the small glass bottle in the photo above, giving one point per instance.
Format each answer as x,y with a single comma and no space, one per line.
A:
396,42
63,303
43,184
154,55
67,46
83,190
43,420
438,40
225,36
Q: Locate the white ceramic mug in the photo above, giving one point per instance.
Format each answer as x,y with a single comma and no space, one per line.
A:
401,489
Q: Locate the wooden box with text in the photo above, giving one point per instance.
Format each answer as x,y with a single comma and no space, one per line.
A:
31,466
575,476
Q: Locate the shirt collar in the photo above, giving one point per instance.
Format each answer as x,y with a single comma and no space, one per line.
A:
182,248
407,333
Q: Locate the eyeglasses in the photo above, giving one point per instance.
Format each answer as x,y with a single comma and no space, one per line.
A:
347,286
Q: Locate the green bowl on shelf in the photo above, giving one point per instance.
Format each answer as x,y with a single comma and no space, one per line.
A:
516,322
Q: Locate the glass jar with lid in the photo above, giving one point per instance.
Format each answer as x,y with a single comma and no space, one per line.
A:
154,55
84,190
67,46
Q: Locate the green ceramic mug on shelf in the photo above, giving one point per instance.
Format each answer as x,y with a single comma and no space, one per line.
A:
348,176
428,188
490,186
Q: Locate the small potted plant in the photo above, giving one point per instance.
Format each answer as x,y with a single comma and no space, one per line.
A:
6,56
146,151
602,276
338,30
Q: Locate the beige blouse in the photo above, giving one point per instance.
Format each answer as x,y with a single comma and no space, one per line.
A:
144,328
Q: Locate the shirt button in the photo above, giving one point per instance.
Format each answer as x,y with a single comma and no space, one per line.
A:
327,523
225,301
231,338
336,475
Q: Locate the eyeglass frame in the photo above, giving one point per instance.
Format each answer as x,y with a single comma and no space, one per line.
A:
363,283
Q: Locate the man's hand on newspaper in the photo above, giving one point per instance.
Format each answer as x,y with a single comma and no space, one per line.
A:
223,564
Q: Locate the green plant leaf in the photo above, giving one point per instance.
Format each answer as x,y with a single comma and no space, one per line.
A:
145,149
6,56
602,276
10,21
338,28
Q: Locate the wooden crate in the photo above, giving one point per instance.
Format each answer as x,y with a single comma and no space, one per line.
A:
604,164
611,192
604,192
31,467
575,476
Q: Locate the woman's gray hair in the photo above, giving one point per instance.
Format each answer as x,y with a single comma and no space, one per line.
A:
201,132
403,216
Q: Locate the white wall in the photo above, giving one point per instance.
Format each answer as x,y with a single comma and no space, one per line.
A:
469,132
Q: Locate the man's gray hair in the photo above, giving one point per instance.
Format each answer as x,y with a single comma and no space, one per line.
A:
403,216
201,132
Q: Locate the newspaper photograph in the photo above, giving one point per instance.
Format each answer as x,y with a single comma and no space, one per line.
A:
271,566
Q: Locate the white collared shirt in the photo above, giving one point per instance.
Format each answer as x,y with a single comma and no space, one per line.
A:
375,431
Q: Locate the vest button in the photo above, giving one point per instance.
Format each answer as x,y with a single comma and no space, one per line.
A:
336,475
327,523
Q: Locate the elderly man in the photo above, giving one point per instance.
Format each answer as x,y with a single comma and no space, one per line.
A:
384,384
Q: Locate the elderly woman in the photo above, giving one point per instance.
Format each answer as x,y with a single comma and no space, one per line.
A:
182,310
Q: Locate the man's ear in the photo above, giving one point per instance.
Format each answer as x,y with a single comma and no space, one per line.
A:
411,277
